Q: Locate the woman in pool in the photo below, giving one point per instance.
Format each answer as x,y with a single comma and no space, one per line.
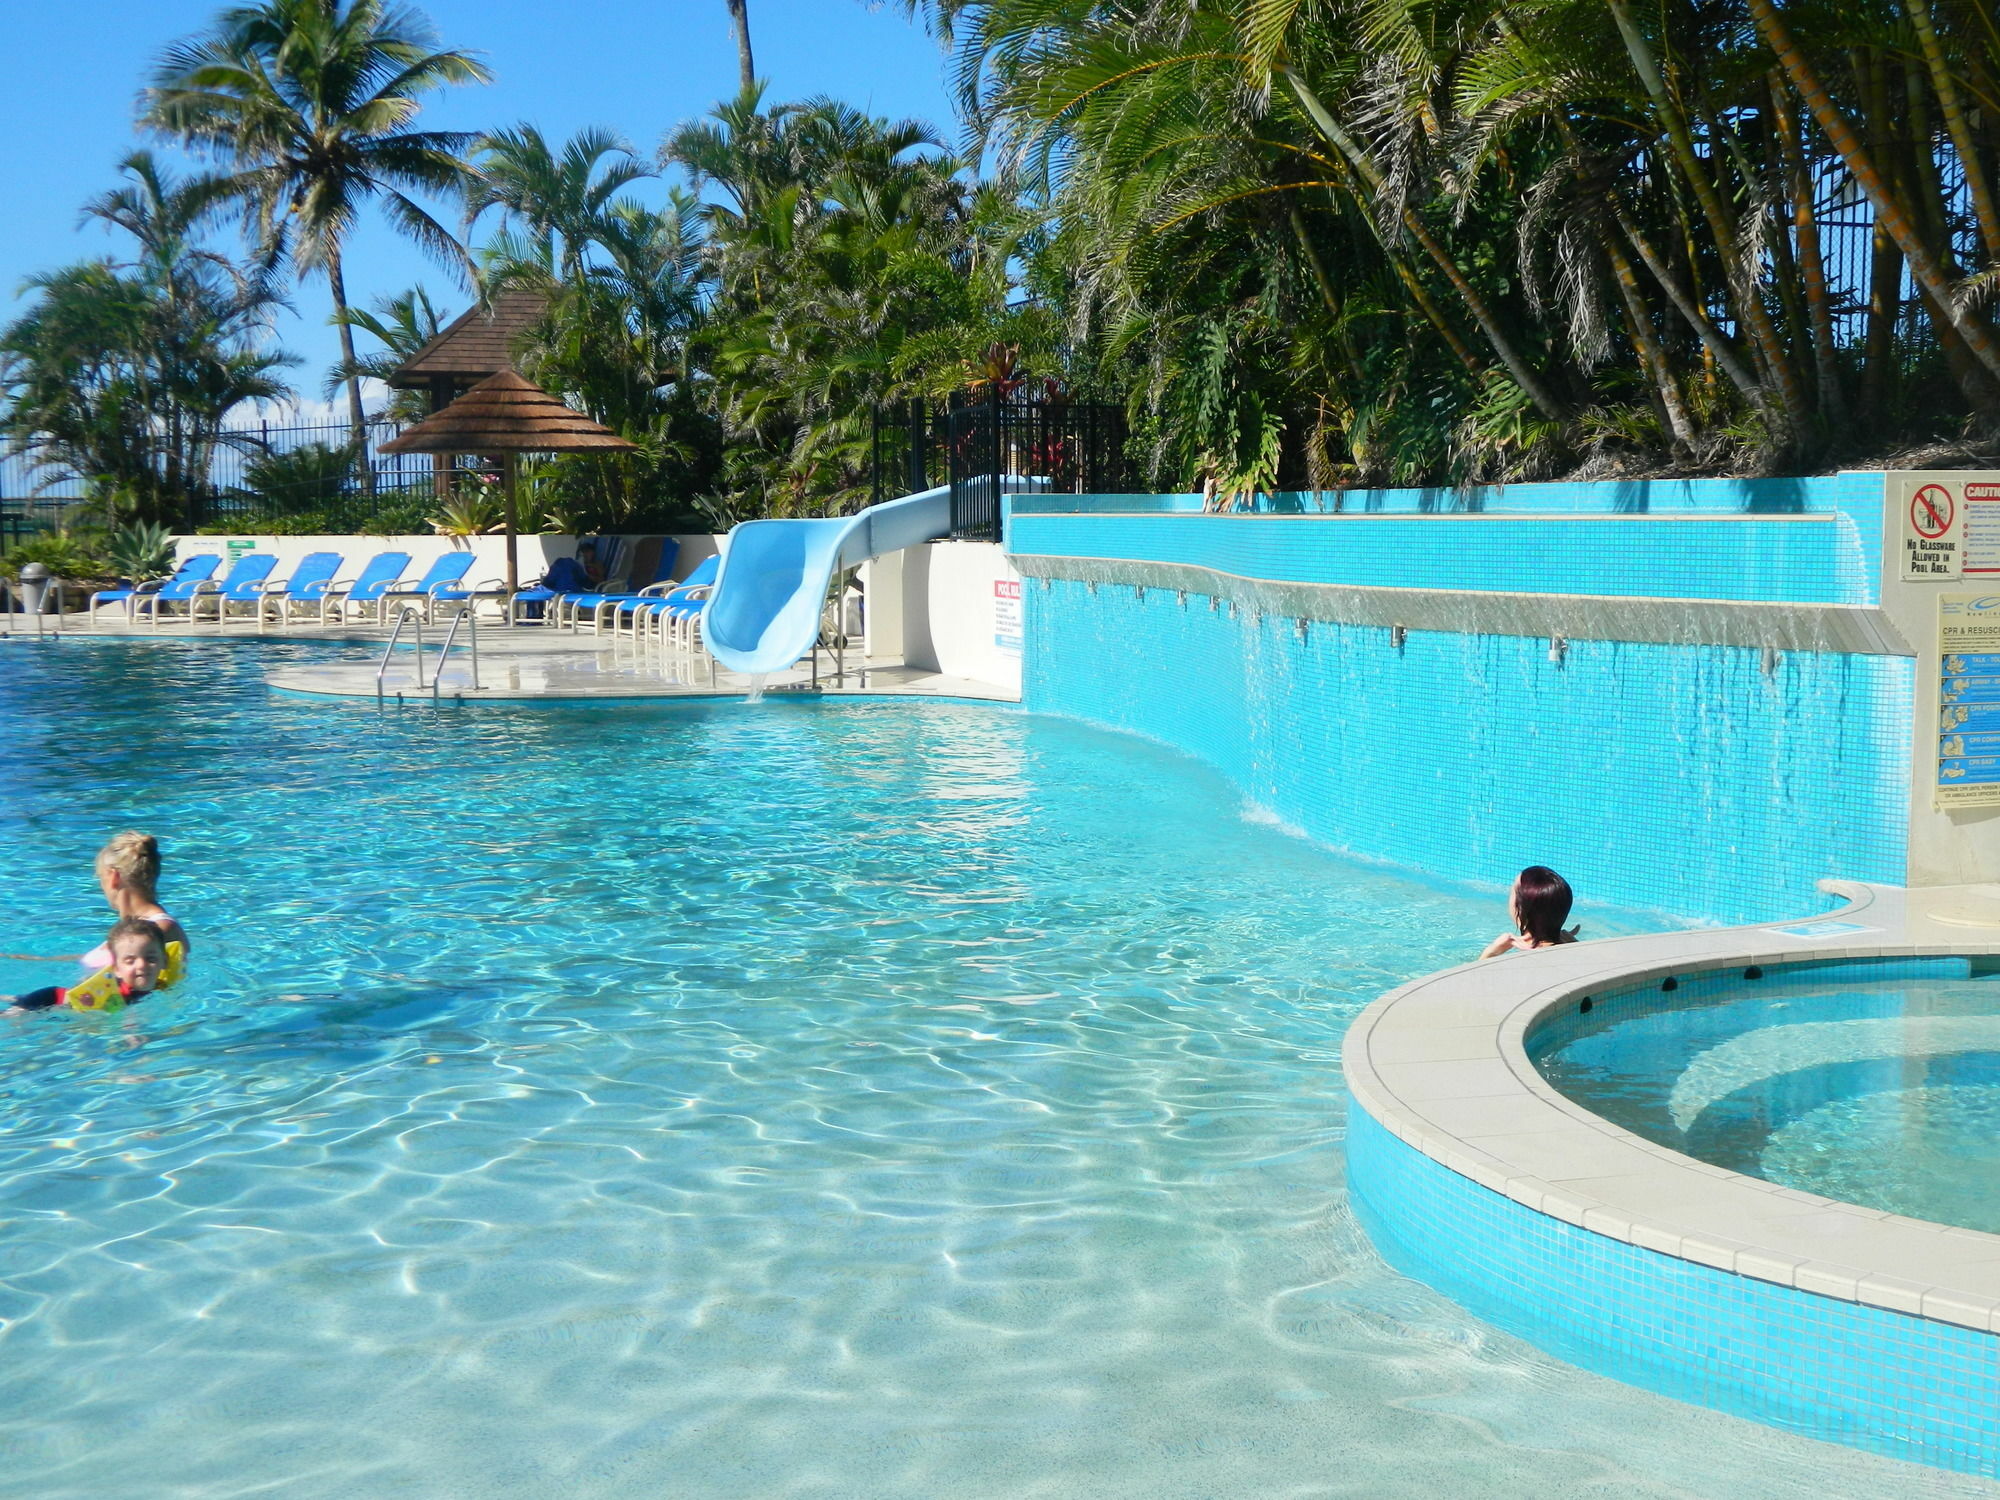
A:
1540,903
128,872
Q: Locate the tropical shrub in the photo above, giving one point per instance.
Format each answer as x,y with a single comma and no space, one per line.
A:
141,551
468,512
302,478
74,559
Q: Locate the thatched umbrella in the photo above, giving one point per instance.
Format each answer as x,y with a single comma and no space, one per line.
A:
508,415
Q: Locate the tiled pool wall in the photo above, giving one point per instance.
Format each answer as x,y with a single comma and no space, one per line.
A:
1906,1386
1718,782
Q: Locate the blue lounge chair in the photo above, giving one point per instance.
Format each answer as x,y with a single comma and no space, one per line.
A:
652,569
675,614
197,567
310,579
445,570
565,576
375,580
244,585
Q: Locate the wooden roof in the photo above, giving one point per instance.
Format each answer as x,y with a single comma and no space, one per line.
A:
475,343
505,413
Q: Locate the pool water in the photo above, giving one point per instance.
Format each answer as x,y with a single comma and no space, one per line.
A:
1876,1083
800,1100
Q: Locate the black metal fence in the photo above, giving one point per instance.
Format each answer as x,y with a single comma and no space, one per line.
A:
976,443
258,478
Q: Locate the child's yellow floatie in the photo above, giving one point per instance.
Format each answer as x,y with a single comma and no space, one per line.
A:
100,991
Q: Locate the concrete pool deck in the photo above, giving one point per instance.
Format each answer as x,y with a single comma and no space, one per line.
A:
1443,1065
531,663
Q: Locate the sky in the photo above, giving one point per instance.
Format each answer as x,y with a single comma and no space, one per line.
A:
70,73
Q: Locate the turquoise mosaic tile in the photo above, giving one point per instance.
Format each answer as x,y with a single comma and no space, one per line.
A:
1818,560
1834,1370
1680,778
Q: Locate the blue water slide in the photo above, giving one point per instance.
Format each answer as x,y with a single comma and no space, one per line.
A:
765,612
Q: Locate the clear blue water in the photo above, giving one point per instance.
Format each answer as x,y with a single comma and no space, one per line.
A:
894,1100
1873,1086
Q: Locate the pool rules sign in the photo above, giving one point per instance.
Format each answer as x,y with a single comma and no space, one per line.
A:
1968,766
1951,525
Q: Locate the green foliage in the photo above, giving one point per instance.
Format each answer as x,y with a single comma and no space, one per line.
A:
124,372
72,558
141,551
471,510
307,477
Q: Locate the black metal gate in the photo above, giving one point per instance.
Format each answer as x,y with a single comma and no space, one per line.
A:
995,441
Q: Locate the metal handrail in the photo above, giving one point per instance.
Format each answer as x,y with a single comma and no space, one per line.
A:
389,650
472,637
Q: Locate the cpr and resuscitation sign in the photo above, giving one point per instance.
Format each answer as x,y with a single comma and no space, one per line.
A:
1968,764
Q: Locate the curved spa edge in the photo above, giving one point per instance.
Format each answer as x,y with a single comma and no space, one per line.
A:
1622,1256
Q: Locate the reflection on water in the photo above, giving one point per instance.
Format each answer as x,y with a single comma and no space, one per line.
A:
863,1100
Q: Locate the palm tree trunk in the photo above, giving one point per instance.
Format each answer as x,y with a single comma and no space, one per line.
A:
357,423
1525,375
739,18
1647,342
1712,338
1924,267
1880,372
1320,279
1812,262
1985,209
1749,298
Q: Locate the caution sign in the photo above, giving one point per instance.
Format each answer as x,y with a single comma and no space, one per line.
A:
1933,511
1968,763
1981,528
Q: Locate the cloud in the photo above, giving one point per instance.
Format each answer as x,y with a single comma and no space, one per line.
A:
314,411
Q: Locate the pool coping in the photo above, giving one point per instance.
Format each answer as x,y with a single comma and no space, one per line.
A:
1442,1064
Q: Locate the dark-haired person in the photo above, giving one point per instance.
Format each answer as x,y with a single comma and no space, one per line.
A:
1540,905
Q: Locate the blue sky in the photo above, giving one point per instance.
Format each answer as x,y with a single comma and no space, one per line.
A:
70,72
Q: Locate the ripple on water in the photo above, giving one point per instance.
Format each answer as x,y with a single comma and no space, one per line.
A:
817,1101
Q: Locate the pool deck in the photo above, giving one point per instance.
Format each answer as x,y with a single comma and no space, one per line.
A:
1442,1063
532,662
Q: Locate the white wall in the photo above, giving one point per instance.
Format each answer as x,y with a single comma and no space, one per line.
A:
535,553
951,604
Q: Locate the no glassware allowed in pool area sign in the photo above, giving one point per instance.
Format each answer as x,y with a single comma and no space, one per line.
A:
1951,525
1968,767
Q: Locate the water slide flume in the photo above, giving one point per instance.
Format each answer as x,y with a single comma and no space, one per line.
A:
765,612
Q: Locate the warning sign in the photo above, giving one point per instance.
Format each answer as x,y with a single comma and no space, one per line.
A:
1982,528
1933,525
1950,523
1007,615
1968,763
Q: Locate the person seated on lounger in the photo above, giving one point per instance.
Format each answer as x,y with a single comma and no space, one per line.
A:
138,954
1540,903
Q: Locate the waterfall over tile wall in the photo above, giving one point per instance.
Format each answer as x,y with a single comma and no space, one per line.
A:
1716,782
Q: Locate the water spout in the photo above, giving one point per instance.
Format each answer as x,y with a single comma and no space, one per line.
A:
757,681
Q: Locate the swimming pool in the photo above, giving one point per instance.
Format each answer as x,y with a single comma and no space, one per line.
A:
1874,1082
870,1099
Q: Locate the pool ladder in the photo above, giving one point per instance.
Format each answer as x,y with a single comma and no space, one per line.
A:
404,617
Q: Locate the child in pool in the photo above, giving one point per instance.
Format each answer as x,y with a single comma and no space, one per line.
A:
1540,905
137,955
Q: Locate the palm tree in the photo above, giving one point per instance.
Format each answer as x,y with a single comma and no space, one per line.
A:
310,102
124,372
561,202
400,325
739,20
